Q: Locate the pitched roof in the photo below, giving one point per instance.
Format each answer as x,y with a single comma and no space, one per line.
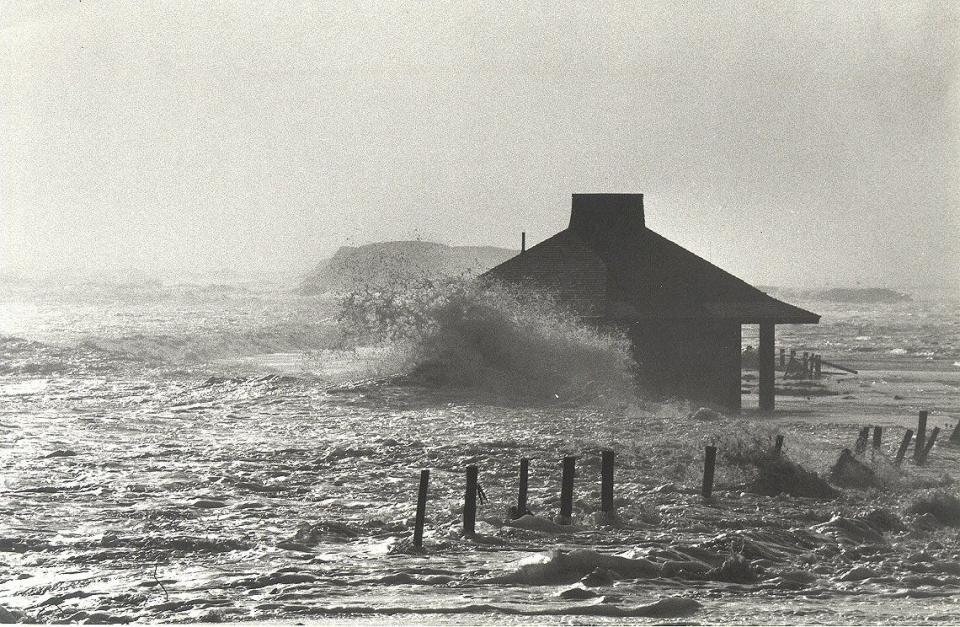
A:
565,266
614,267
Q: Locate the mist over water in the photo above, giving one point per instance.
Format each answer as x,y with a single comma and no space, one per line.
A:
788,143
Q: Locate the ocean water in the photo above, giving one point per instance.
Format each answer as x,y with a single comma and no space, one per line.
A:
215,452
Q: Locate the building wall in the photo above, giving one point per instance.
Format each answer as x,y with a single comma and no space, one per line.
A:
696,360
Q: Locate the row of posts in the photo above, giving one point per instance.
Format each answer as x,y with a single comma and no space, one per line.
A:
566,490
811,366
921,447
921,451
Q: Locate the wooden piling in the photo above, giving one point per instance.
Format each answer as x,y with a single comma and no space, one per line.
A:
778,446
806,364
566,490
421,509
522,492
929,445
904,445
955,436
818,366
921,436
783,358
709,460
877,436
862,438
606,481
523,241
470,503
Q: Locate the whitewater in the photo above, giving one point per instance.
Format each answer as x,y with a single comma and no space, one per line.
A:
221,453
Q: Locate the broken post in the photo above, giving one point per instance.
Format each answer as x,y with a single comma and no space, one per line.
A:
877,436
929,445
522,493
778,446
837,366
921,436
566,490
709,461
421,510
904,445
806,364
606,481
470,503
861,444
783,358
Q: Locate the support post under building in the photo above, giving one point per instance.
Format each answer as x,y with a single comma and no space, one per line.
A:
767,362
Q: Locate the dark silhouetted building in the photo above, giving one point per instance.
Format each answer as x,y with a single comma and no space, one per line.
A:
682,313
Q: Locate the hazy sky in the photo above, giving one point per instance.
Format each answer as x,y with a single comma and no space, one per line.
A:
788,142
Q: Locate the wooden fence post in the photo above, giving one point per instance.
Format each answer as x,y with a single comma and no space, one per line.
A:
921,436
929,445
862,438
421,510
877,436
470,503
606,481
955,436
904,444
709,461
522,492
566,490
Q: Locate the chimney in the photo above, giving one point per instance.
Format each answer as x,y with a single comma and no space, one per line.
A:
598,217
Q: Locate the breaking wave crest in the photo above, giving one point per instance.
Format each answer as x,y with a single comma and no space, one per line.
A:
492,338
